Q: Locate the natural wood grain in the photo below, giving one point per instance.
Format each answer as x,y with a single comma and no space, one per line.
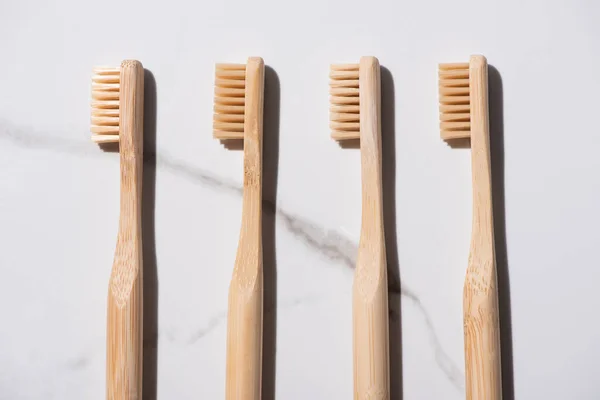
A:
370,296
124,325
245,314
355,113
481,318
464,114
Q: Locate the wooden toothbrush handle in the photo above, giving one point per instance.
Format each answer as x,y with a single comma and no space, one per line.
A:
125,297
244,336
370,290
370,322
483,368
124,342
245,314
480,297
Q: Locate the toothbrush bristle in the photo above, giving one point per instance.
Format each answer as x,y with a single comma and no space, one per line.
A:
344,111
105,105
230,91
455,105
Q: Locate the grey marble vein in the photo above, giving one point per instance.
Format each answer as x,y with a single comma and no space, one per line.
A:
198,175
443,360
22,138
221,317
208,327
78,363
328,243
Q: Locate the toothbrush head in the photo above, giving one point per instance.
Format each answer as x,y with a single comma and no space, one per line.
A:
106,84
344,110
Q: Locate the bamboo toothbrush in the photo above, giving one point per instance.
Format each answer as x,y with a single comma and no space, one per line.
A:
464,114
117,117
355,113
239,91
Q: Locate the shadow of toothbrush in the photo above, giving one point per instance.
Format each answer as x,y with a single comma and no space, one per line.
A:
388,138
150,277
269,222
497,157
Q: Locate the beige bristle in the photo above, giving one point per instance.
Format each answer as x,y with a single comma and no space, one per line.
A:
105,105
344,111
230,90
455,106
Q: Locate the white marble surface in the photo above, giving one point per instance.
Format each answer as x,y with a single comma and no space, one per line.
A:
59,194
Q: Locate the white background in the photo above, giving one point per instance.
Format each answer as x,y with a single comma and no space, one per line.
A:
59,192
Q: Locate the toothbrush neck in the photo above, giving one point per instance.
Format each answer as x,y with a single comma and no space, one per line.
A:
483,225
131,189
131,145
370,150
252,190
482,242
372,193
253,149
